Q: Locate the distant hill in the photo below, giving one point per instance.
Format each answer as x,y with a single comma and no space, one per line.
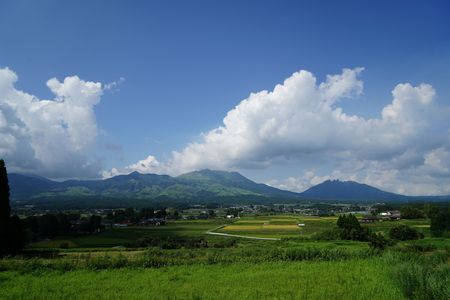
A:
349,190
26,186
198,185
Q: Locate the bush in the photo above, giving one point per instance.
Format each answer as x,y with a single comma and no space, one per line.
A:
356,234
378,241
404,232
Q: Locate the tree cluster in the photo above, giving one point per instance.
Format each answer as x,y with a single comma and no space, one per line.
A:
409,212
404,232
439,221
350,229
51,225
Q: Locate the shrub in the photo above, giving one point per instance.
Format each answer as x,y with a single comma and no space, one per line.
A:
378,241
356,234
404,232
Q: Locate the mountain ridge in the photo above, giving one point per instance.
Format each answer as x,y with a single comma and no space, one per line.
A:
203,185
196,184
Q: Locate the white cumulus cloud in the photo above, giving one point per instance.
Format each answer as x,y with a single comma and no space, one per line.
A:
300,121
147,165
49,137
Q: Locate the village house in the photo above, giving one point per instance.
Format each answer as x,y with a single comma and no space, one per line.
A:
370,219
390,215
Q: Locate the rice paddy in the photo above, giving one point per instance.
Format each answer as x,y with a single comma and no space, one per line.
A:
278,226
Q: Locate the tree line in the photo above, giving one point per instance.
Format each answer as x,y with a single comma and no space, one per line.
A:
349,228
51,225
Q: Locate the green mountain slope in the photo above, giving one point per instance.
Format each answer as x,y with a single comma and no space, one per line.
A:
195,185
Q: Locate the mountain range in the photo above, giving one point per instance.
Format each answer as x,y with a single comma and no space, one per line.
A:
194,185
200,186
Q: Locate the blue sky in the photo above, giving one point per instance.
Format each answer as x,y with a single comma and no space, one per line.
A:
186,64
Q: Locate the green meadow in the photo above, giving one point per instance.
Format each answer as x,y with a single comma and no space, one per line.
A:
279,280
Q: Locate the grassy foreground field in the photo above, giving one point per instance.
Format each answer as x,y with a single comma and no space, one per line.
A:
362,279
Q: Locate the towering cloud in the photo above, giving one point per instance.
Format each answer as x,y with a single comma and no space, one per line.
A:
49,137
300,121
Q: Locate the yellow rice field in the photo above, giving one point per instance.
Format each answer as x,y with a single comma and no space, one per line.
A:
264,224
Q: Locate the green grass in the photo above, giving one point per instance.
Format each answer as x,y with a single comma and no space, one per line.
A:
355,279
438,243
256,269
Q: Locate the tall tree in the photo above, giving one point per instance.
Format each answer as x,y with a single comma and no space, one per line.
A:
440,221
12,235
5,209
